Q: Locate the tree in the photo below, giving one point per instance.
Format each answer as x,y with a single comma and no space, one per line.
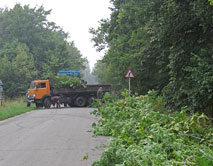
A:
33,48
131,35
167,42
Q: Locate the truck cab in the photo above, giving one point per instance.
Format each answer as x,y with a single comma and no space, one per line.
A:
38,91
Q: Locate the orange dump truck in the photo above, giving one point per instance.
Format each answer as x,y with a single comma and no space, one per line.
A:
43,93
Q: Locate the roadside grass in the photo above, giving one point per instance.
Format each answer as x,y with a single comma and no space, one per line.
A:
10,108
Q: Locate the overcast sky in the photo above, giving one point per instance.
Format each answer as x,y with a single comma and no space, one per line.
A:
75,17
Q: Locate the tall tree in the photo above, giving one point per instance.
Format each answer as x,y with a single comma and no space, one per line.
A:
28,39
131,35
166,42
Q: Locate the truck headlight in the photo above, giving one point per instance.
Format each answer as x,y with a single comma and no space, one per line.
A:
31,96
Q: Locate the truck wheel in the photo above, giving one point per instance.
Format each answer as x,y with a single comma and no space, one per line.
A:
47,103
80,101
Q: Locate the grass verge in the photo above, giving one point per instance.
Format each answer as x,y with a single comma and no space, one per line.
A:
15,107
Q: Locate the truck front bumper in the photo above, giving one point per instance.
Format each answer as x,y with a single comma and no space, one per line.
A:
38,101
30,98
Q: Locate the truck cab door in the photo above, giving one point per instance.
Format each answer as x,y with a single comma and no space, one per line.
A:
42,90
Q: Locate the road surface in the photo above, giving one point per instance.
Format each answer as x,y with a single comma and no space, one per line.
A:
50,137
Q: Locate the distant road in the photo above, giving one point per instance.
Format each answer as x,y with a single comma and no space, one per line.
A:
50,137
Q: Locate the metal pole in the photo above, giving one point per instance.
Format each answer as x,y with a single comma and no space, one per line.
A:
129,86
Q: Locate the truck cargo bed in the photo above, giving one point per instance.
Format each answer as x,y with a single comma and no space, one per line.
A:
89,88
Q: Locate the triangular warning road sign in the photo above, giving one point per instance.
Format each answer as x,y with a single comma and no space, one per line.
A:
129,74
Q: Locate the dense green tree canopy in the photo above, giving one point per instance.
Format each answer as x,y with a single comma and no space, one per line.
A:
31,47
167,43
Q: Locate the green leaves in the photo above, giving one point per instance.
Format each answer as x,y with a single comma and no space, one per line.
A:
145,133
63,81
16,62
211,2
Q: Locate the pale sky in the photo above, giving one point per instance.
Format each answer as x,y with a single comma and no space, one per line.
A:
75,17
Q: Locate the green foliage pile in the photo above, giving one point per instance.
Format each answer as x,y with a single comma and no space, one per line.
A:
31,47
145,133
64,81
167,44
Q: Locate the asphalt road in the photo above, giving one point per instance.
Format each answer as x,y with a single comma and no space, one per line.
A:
50,137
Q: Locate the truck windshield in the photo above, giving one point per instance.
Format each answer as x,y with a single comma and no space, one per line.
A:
33,85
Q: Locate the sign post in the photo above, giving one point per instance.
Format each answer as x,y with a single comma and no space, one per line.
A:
129,75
